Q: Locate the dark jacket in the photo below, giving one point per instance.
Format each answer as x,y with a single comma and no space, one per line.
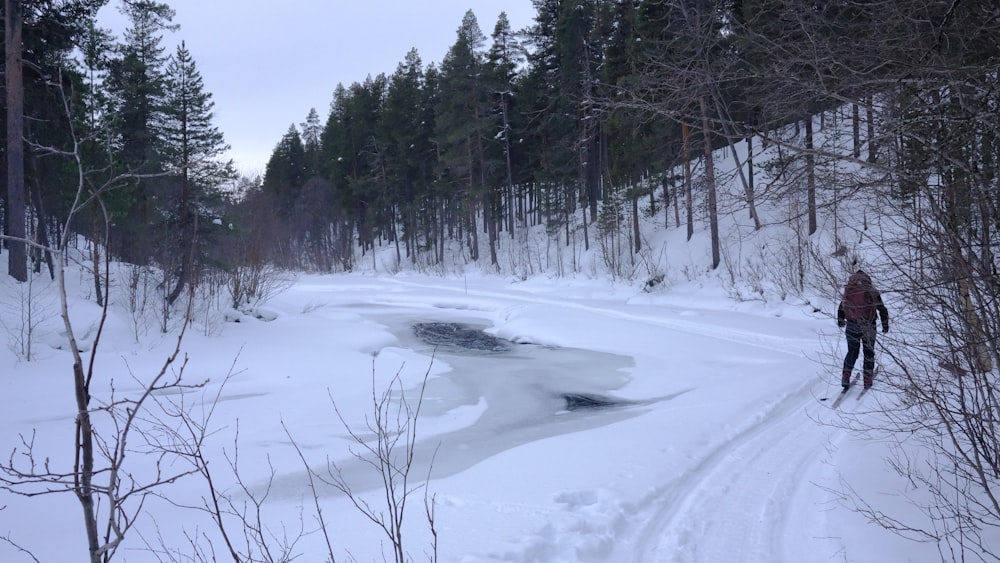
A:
876,297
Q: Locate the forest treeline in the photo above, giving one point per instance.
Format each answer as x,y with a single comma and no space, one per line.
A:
597,100
605,101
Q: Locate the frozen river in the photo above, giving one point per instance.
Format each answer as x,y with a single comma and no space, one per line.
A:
520,392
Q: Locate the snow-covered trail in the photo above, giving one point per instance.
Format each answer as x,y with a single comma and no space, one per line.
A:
738,503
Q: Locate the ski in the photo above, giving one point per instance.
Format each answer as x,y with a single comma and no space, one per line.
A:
843,393
865,390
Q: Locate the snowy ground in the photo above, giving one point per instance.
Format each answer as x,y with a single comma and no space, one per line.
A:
723,448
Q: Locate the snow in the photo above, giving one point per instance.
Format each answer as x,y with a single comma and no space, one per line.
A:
724,448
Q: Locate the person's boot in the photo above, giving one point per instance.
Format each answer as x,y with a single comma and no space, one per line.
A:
869,378
845,379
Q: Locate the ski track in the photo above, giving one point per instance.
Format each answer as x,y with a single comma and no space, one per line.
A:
759,467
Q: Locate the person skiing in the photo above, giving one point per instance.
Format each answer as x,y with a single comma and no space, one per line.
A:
858,310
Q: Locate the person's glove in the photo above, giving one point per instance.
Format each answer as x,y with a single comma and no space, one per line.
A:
885,328
841,323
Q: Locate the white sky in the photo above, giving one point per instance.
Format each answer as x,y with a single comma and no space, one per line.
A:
266,64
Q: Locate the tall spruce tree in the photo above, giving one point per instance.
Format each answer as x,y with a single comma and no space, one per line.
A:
553,76
408,147
353,154
461,127
500,76
580,54
136,80
95,148
312,130
638,144
431,220
285,172
192,148
135,84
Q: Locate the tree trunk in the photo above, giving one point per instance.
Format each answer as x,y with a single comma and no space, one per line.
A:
636,232
187,239
856,129
713,207
17,259
492,217
652,202
473,234
870,118
508,168
688,203
85,460
753,213
442,213
394,214
810,176
748,194
95,256
666,201
42,235
586,195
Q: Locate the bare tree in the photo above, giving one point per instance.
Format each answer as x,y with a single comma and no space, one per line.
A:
390,453
239,518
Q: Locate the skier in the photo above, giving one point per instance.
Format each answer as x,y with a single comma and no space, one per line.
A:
858,310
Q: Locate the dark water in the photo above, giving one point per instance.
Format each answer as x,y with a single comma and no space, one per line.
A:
458,337
464,339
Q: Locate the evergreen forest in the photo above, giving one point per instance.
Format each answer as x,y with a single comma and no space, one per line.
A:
570,124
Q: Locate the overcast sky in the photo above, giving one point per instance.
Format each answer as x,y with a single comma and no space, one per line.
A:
266,63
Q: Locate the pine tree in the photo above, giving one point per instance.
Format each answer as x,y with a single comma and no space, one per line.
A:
191,148
561,81
285,173
500,76
461,126
312,131
96,48
580,54
136,80
638,144
409,151
353,154
135,84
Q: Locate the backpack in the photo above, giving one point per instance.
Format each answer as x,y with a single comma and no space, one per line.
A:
860,298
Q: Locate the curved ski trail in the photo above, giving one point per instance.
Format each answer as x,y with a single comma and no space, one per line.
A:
735,504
